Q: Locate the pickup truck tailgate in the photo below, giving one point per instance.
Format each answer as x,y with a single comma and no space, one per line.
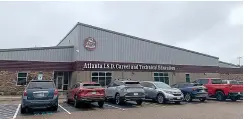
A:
236,88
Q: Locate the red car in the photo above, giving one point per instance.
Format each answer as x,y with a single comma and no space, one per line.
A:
220,90
86,93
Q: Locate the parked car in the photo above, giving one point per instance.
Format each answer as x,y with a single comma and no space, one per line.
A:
161,92
192,91
86,92
122,90
240,82
39,94
219,90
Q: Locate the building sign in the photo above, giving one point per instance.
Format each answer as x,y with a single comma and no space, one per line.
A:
118,66
40,75
90,44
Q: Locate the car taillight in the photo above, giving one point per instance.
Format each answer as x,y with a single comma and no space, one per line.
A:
25,93
80,91
56,92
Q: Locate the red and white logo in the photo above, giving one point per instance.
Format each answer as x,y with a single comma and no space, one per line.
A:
90,44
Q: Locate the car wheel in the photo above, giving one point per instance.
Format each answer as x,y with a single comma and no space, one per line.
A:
202,99
220,96
187,97
233,98
68,100
100,104
76,103
118,100
160,98
177,102
22,110
55,108
139,102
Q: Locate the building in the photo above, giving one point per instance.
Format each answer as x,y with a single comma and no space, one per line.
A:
89,53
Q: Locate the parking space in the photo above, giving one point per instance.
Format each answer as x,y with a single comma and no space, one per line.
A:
8,111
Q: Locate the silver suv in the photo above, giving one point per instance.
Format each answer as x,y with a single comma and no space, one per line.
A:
122,90
161,92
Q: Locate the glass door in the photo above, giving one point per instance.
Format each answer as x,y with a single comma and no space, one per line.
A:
59,83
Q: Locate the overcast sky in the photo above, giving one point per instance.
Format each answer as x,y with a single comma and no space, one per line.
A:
213,28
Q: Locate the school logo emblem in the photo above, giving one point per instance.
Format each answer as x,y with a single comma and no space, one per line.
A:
90,44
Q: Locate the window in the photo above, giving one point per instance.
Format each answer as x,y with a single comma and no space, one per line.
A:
188,78
161,77
22,79
103,78
216,81
162,85
41,85
203,81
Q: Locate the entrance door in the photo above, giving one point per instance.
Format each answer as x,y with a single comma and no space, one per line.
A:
59,82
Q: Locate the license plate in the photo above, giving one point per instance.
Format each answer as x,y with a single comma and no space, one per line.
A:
135,93
178,97
202,95
93,92
239,92
40,95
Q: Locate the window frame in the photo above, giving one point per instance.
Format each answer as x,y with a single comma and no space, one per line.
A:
199,81
105,76
26,79
188,77
153,74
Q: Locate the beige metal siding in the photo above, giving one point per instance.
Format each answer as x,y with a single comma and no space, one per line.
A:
52,55
113,47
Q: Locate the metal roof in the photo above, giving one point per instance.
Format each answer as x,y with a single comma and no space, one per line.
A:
35,48
229,64
137,38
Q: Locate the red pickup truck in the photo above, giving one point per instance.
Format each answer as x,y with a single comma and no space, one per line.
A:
220,90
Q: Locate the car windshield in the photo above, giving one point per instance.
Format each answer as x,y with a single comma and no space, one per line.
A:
217,81
41,85
162,85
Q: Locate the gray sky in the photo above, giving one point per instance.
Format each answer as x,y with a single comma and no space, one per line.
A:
213,28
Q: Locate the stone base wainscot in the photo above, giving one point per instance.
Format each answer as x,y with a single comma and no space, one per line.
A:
11,79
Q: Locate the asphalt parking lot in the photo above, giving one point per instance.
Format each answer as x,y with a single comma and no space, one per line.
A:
195,110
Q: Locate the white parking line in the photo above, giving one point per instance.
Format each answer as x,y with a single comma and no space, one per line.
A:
64,109
17,110
115,107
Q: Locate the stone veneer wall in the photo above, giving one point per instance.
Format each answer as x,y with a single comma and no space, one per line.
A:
8,81
232,76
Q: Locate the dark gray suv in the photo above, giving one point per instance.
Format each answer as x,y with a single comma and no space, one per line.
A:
39,94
